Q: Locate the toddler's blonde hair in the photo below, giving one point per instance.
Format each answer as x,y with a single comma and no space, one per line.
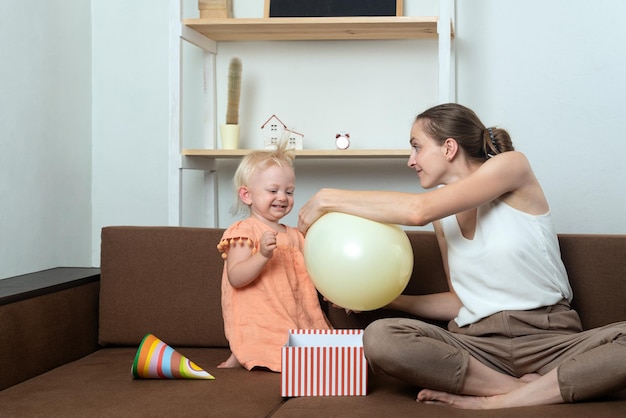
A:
253,163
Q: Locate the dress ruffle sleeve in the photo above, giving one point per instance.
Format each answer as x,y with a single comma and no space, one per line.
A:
237,235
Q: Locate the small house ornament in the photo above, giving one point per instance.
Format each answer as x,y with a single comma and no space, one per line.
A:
274,131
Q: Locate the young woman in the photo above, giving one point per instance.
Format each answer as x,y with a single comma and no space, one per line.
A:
265,286
512,339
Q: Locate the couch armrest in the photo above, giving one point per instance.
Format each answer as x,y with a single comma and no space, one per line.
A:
47,319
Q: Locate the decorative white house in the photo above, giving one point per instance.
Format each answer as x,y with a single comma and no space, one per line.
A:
274,131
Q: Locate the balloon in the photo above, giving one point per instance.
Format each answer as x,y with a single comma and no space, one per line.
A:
356,263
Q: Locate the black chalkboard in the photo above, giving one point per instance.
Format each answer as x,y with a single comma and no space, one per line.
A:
330,8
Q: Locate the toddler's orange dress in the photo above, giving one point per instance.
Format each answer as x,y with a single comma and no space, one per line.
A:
257,317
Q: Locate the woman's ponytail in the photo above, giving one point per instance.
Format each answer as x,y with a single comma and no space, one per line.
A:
496,141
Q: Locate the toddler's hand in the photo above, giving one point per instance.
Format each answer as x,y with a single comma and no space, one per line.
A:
267,244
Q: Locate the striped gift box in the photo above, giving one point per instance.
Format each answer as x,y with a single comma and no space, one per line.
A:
324,363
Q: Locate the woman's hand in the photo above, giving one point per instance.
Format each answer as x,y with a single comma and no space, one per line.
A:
311,211
334,305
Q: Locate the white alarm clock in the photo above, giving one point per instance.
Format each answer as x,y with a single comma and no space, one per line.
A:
342,140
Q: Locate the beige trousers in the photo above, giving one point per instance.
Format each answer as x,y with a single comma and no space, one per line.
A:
590,363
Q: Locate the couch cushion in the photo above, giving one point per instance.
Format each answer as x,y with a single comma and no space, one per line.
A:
101,385
596,266
389,398
161,280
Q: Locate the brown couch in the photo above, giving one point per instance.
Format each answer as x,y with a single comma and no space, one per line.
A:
68,352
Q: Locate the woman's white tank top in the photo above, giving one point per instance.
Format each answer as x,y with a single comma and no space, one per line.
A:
512,263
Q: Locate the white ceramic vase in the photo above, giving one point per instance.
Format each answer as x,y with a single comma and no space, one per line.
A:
230,136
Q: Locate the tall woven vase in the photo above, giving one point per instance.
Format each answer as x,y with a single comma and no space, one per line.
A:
230,131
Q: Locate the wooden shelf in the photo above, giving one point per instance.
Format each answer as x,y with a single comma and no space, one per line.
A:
206,34
308,154
315,28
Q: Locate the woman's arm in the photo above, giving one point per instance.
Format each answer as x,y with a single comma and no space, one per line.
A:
440,306
505,173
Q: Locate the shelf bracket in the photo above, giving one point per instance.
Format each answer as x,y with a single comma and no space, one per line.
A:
201,41
174,186
446,67
204,164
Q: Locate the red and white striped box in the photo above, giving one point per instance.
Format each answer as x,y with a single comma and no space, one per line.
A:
324,363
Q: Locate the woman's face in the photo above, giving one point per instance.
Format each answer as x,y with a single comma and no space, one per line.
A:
427,157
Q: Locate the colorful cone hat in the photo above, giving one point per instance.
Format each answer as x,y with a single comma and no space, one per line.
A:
157,360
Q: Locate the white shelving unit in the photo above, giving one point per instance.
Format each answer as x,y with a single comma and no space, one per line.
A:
206,33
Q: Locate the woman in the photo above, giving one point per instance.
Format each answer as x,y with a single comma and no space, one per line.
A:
512,339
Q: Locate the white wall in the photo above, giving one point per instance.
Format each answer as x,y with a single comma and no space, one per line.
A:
130,116
549,71
45,135
552,72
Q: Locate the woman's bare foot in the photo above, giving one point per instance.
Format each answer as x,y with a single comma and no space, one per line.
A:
457,401
535,390
527,378
466,401
230,363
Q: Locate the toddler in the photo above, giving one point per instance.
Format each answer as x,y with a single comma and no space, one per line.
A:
265,286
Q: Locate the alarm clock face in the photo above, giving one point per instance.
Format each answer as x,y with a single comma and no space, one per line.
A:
342,141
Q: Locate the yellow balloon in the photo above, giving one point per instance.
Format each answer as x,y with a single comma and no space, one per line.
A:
356,263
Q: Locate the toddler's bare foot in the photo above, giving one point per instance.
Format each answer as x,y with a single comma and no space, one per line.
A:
230,363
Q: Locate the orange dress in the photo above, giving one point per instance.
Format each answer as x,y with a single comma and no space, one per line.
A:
257,317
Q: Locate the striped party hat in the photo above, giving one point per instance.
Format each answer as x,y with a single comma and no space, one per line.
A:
157,360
